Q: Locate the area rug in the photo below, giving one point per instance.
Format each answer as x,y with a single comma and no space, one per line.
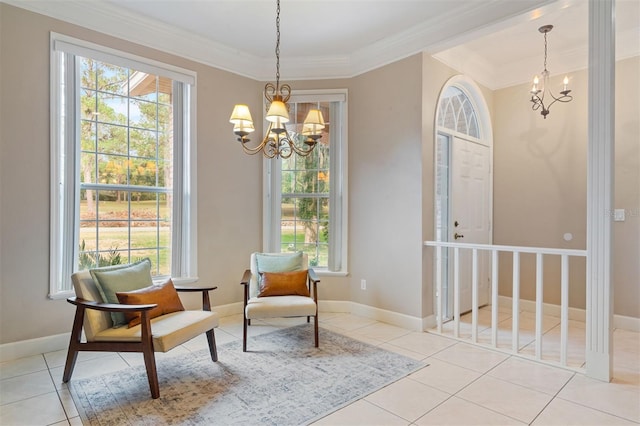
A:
283,380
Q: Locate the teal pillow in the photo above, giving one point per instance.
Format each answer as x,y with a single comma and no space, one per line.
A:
279,262
121,278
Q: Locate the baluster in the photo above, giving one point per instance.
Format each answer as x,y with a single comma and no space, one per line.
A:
456,292
515,303
564,309
474,296
494,298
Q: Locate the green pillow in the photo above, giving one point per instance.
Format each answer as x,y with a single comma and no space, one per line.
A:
121,278
279,262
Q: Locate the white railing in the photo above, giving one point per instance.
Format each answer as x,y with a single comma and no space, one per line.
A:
494,250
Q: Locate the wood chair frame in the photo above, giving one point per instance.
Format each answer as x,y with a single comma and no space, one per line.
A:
145,345
312,283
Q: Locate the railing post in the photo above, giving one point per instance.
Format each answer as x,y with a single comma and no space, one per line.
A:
439,288
564,309
515,304
474,296
539,301
456,292
600,188
494,298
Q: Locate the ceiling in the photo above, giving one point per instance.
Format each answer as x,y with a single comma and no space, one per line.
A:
496,42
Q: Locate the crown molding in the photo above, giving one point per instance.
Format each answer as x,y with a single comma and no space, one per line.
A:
111,20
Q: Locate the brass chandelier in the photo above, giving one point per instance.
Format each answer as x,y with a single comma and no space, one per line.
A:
278,141
540,89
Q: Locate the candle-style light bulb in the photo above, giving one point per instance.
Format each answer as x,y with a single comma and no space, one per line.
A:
565,82
534,88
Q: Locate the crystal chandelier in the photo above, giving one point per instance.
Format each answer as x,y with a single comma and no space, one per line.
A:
541,88
278,141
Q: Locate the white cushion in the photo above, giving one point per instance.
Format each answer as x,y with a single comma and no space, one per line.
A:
280,306
168,330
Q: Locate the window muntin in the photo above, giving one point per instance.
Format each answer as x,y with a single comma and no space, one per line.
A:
457,113
122,161
305,197
305,183
126,162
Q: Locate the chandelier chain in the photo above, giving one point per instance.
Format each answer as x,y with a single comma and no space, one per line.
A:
278,46
545,51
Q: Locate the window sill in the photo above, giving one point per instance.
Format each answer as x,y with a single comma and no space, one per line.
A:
325,273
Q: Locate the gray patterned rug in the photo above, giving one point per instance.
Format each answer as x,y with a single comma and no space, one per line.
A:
283,381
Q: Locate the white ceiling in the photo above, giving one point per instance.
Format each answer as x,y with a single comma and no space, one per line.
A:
496,42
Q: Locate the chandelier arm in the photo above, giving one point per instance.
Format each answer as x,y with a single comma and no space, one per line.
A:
257,149
278,143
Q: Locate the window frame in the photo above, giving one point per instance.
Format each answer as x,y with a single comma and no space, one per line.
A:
65,149
338,216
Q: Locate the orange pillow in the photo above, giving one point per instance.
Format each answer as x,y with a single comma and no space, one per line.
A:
164,295
284,284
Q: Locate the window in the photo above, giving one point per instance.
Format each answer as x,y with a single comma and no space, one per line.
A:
305,197
121,153
457,113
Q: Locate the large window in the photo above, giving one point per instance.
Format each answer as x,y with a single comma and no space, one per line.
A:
120,151
306,196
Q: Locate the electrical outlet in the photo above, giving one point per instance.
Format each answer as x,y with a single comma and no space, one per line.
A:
363,284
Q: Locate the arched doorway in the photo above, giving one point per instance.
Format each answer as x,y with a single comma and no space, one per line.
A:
463,186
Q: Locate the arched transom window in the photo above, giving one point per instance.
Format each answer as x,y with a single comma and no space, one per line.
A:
457,113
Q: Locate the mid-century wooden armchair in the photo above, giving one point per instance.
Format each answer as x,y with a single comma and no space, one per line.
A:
159,334
279,285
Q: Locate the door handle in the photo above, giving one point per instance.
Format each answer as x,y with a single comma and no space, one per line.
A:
456,236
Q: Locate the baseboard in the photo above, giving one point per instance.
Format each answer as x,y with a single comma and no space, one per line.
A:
429,322
340,306
619,321
626,323
31,347
25,348
229,309
390,317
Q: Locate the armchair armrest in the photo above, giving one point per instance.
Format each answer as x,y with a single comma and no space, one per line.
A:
109,307
189,288
206,302
246,277
313,276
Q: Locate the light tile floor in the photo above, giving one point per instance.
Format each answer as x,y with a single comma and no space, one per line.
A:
463,384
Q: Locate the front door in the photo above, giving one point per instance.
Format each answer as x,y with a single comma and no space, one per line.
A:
470,221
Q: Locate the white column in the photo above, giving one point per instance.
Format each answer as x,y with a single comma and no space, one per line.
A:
600,189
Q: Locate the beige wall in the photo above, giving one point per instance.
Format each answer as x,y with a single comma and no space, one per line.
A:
229,182
384,180
540,185
391,132
385,185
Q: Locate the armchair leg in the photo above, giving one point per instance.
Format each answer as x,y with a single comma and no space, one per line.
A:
74,343
149,356
244,334
211,338
152,374
315,329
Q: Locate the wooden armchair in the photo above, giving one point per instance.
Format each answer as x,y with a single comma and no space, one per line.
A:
286,300
159,334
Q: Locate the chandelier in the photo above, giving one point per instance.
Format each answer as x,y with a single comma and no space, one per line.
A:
540,89
278,141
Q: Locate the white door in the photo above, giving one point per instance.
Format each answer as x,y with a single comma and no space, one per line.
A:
470,215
